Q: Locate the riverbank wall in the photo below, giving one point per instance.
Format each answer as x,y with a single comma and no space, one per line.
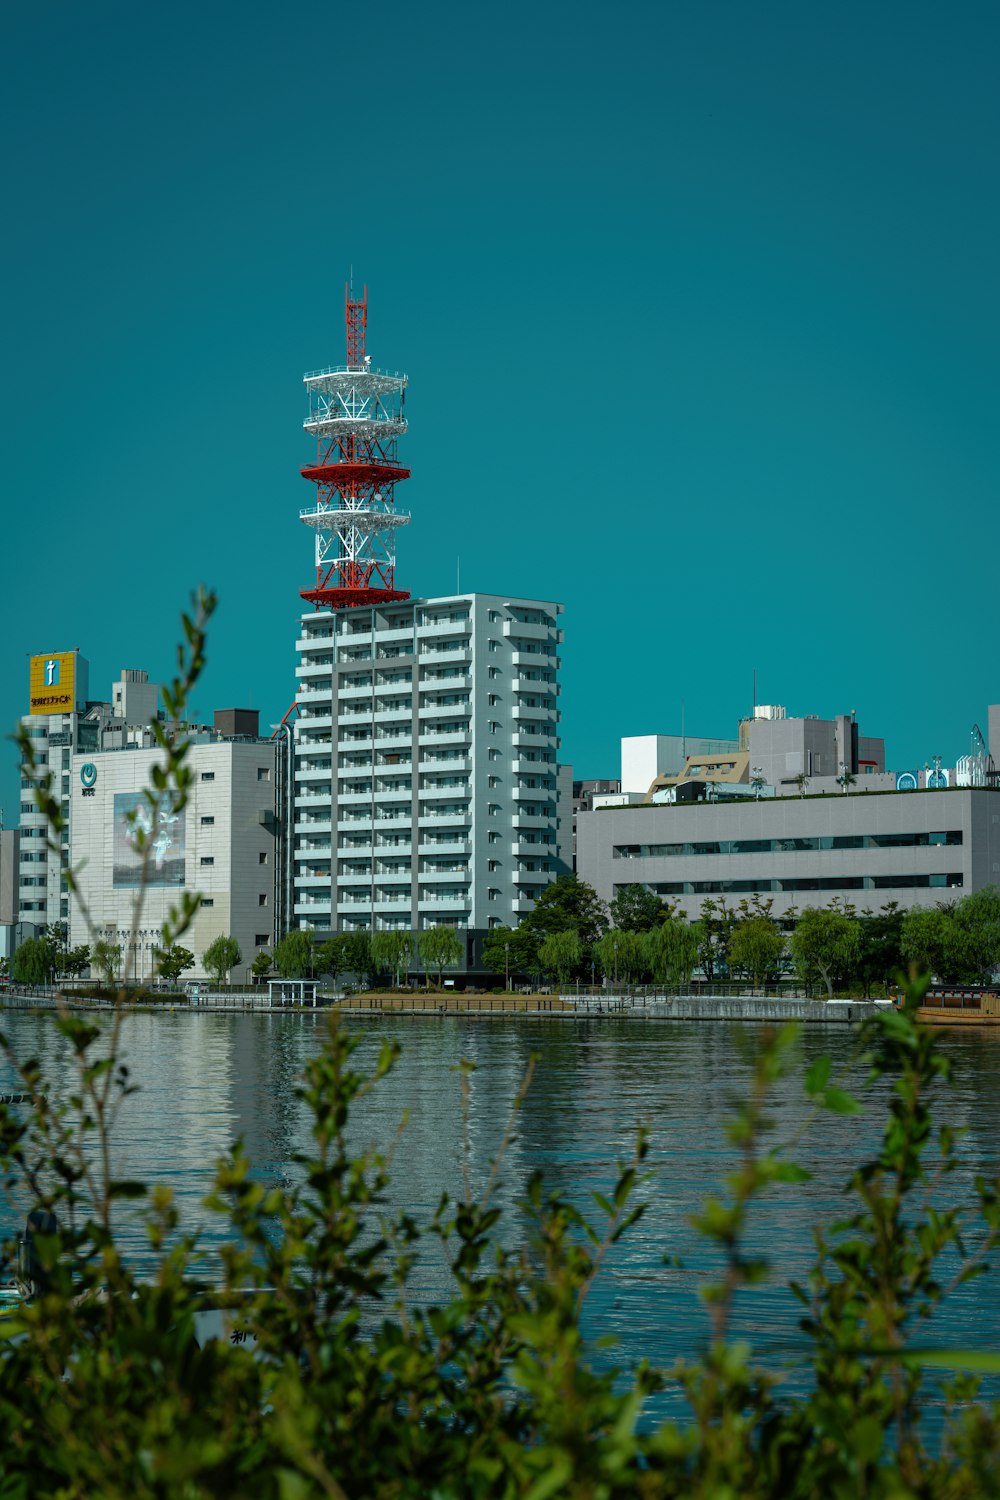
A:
624,1006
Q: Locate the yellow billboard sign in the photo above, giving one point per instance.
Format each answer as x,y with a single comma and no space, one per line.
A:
52,683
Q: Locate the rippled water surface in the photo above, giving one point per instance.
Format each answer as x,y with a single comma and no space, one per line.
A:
205,1079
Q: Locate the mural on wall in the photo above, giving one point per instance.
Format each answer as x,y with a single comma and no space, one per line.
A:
165,832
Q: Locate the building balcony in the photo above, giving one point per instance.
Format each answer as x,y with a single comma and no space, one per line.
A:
313,824
352,691
522,740
391,817
538,660
354,877
459,655
386,876
456,682
434,737
315,721
531,820
532,877
444,628
401,655
451,875
440,709
458,845
306,773
543,715
360,822
450,791
444,767
441,819
445,901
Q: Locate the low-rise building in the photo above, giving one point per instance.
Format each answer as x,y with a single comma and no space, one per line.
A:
913,847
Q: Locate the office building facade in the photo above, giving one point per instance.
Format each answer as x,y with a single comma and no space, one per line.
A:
915,848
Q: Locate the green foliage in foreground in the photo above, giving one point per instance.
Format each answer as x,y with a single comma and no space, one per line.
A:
347,1389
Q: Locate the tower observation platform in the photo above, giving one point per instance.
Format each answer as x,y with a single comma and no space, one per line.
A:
356,416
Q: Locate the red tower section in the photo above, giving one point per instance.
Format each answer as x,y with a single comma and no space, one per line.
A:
356,416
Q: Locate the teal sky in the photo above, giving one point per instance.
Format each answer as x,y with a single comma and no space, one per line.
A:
698,302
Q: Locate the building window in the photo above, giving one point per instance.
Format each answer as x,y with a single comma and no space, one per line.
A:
205,822
262,858
208,859
207,901
261,939
493,893
493,864
208,775
493,700
262,900
494,781
263,773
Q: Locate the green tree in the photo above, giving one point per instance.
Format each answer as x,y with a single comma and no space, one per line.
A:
826,944
636,909
977,921
881,958
672,950
293,954
34,961
440,948
560,954
330,956
73,961
716,927
755,947
511,951
623,956
261,967
801,781
170,963
356,955
221,958
927,940
569,904
106,958
392,951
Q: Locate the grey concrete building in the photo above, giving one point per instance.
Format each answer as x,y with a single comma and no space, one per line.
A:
915,848
783,748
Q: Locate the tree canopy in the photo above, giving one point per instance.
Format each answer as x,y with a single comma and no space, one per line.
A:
569,904
221,958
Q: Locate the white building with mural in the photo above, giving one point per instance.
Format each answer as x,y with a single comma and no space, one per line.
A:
221,846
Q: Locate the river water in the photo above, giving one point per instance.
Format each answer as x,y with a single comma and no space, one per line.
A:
206,1078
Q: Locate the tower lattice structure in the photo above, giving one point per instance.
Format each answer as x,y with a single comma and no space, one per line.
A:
356,416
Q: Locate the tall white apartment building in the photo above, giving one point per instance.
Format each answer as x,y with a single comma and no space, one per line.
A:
426,788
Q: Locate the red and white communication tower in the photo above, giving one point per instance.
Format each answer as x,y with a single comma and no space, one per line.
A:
356,416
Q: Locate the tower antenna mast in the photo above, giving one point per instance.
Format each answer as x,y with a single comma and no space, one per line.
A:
356,416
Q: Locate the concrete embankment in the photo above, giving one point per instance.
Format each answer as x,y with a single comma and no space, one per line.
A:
634,1007
624,1007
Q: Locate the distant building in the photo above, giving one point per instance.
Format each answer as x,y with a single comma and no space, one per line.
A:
914,847
222,846
782,749
583,793
644,757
